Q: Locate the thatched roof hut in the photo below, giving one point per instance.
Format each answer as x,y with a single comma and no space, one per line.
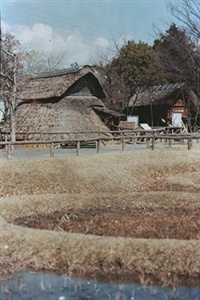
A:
159,102
51,105
166,94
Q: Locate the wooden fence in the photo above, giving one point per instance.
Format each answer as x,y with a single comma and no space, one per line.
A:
167,130
122,137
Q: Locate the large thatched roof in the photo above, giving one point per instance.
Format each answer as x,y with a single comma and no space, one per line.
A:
54,104
166,94
58,84
71,114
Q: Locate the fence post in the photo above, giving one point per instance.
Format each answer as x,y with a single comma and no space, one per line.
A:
78,148
52,150
123,144
148,140
8,150
189,144
153,142
170,143
6,139
98,146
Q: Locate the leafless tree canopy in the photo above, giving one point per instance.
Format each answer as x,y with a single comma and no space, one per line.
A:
16,61
9,48
39,61
188,12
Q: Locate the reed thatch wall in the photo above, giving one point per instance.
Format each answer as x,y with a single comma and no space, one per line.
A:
71,114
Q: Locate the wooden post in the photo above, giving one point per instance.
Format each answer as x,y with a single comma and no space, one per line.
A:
170,142
6,139
153,142
98,146
52,150
123,144
78,148
189,144
148,140
8,150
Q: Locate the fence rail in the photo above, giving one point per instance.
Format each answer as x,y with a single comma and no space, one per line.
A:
167,130
149,139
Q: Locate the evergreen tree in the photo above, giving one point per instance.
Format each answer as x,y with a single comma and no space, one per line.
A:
176,57
130,68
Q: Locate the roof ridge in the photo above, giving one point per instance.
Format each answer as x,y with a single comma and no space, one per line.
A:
58,72
160,87
73,69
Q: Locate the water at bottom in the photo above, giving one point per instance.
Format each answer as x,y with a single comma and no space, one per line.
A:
31,286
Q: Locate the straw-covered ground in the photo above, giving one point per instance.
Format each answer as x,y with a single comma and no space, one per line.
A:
128,215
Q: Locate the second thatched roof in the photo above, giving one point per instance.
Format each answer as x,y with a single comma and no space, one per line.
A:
166,94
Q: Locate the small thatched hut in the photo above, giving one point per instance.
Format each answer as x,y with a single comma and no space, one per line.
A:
66,101
158,103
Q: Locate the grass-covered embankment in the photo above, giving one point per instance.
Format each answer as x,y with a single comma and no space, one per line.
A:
95,199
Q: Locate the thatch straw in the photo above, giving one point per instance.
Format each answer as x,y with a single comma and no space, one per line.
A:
163,95
70,114
56,86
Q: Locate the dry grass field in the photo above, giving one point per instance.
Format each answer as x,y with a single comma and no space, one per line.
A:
127,215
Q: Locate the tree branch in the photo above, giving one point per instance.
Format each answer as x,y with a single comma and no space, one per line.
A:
6,77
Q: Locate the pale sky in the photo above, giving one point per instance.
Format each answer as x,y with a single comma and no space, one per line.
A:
82,27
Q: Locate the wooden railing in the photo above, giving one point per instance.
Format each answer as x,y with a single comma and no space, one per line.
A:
149,139
6,135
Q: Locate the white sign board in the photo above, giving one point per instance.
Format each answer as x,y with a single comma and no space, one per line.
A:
177,120
134,119
145,126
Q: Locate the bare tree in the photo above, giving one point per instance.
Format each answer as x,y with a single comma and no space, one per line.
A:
39,61
188,13
11,78
8,79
